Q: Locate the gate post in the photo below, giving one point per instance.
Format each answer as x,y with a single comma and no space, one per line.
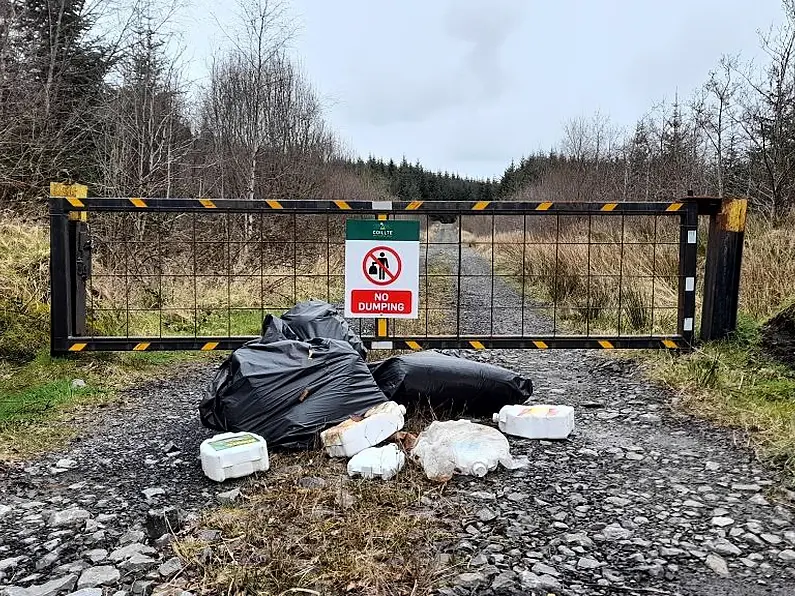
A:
68,266
60,299
723,269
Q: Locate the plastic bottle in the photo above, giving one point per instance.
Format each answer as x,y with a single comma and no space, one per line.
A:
233,455
462,447
352,436
540,421
373,462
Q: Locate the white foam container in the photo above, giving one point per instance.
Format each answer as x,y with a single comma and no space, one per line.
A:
377,462
351,436
541,421
233,455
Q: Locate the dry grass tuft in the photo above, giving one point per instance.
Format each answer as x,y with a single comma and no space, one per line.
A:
349,536
583,282
24,287
768,278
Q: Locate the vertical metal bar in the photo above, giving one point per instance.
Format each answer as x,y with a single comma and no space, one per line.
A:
555,288
159,221
459,218
295,258
524,251
328,258
688,254
621,274
195,279
60,267
261,266
588,281
427,244
91,314
228,242
654,273
126,245
491,303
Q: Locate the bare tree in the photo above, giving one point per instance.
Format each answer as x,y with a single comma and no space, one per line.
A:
714,112
768,120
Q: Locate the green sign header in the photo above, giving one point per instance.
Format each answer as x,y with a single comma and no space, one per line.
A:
389,230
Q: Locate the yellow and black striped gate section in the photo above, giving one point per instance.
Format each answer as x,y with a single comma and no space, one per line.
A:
221,343
321,206
70,205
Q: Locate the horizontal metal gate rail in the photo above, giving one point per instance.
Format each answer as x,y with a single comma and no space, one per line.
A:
71,269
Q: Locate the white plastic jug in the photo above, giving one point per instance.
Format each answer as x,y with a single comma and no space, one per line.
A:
352,436
540,421
233,455
377,462
463,447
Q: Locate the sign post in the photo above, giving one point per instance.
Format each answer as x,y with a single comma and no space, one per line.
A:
382,269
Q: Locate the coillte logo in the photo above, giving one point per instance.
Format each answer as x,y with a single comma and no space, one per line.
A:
382,232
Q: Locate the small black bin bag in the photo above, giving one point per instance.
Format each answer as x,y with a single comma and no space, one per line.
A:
449,385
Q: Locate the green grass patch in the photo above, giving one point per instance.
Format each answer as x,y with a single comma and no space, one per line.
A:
732,384
38,399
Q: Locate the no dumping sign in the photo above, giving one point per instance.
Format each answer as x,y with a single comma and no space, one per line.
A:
382,269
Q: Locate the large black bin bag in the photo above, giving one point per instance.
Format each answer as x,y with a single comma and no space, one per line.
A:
274,329
449,385
316,318
288,391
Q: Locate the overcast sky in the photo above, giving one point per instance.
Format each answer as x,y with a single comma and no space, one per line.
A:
468,85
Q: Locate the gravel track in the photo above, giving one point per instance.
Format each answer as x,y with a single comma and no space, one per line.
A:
640,500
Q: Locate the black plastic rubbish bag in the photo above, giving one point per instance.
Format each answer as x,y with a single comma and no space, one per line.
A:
288,391
274,329
316,318
449,385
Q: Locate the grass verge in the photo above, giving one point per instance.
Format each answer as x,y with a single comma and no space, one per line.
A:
733,385
40,399
311,529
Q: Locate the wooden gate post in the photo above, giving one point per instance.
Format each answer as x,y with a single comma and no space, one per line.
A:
722,270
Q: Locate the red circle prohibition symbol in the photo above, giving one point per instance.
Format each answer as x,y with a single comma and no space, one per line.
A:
382,265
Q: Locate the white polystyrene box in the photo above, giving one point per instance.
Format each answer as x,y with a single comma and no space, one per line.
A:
541,421
352,436
233,455
377,462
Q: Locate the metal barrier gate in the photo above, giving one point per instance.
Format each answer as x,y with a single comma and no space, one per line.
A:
200,274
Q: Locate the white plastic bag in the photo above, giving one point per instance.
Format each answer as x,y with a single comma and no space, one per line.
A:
383,462
462,447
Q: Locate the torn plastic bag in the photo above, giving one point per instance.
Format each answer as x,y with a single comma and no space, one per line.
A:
451,386
289,391
316,318
274,329
462,447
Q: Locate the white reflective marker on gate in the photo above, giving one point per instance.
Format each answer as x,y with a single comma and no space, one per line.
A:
382,269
